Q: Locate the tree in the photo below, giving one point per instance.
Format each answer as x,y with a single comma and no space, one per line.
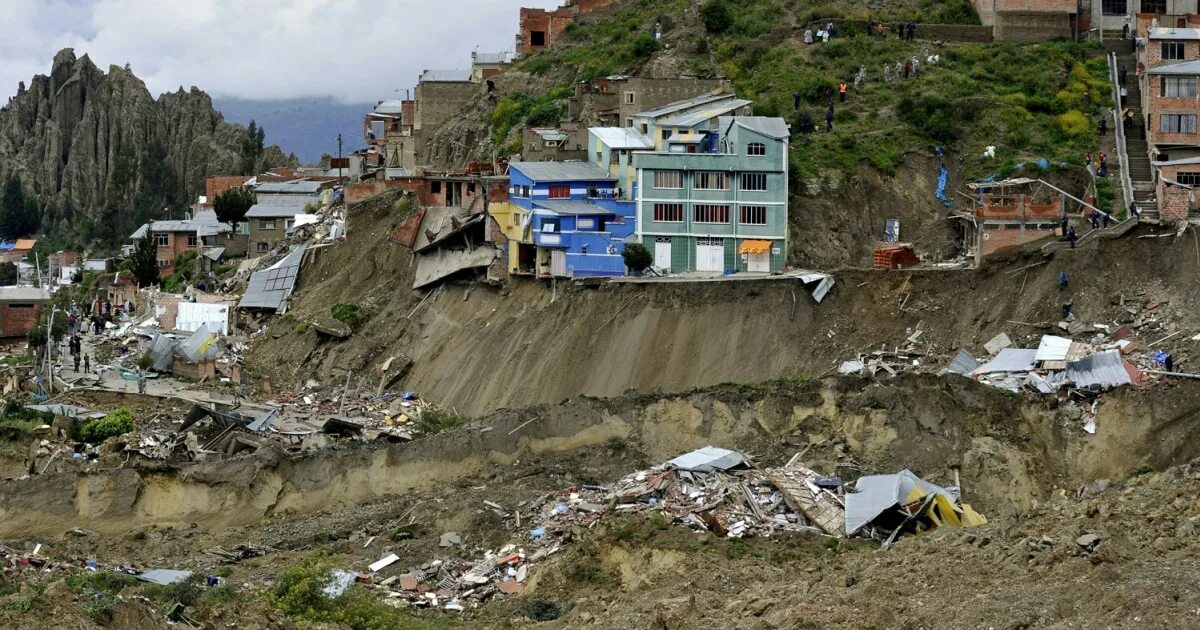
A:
252,148
716,16
18,213
231,206
8,274
637,257
145,258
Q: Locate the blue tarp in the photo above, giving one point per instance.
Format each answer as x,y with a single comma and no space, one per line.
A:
943,176
6,246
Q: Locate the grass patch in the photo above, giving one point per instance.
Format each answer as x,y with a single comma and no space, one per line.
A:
438,419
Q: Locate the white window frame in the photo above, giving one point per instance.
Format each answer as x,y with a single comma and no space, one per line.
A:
1178,51
630,98
748,179
756,149
266,224
711,180
1184,123
1178,87
161,239
262,247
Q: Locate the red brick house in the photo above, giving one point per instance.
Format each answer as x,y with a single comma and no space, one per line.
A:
20,308
540,28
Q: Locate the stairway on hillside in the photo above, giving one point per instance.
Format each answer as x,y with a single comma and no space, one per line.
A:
1136,146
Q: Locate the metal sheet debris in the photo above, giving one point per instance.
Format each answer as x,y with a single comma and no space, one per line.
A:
271,287
1009,360
164,577
708,459
1103,369
964,363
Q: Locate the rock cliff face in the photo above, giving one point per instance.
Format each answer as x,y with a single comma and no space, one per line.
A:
86,142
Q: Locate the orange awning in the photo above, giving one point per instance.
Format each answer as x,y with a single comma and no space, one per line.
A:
25,244
755,247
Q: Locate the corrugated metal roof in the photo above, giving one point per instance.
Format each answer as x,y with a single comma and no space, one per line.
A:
875,494
303,187
445,76
552,135
1187,68
270,287
567,206
276,207
1103,369
769,126
391,108
691,119
678,106
1175,33
621,137
1010,360
562,171
964,363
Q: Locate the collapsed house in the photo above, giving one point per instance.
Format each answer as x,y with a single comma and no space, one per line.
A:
1013,212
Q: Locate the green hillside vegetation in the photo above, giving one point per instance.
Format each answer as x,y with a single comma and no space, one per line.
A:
1028,100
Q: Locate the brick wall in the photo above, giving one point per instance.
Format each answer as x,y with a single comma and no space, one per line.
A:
1173,203
1038,6
17,321
1153,55
1032,27
1160,105
591,6
218,184
997,237
899,257
550,24
1019,209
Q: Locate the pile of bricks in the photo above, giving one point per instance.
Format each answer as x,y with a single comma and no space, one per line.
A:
896,257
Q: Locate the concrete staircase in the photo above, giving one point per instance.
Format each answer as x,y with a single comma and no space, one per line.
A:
1136,145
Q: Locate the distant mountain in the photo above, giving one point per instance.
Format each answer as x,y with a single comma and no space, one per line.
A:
307,127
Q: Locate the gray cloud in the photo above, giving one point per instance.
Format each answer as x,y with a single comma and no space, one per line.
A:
354,50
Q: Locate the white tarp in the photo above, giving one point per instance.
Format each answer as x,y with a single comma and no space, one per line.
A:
193,315
1009,360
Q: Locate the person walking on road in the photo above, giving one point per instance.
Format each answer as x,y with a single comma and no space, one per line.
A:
1062,281
87,364
1071,237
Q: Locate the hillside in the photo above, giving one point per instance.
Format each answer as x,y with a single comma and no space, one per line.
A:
1029,101
306,127
100,155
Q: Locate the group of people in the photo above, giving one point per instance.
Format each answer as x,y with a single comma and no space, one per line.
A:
905,31
1099,165
905,68
822,33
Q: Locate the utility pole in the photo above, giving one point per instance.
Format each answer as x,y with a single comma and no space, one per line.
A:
49,352
341,182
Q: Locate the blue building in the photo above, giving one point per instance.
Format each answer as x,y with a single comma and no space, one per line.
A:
573,223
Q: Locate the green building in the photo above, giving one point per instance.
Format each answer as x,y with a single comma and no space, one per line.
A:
719,204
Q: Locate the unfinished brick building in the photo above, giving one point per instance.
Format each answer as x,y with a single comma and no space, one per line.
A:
1014,212
541,28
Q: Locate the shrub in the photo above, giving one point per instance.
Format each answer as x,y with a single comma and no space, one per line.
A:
299,593
116,423
716,16
644,46
345,313
1074,123
541,609
436,419
637,257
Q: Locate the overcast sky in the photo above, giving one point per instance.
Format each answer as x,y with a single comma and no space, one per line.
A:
356,50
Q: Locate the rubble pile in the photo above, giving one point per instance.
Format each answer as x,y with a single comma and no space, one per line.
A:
711,490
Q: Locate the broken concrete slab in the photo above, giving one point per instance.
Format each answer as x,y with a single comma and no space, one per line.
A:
450,539
383,562
998,343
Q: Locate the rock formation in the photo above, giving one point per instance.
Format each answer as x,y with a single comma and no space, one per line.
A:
94,145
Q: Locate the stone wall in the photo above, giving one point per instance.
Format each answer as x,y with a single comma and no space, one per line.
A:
1032,27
